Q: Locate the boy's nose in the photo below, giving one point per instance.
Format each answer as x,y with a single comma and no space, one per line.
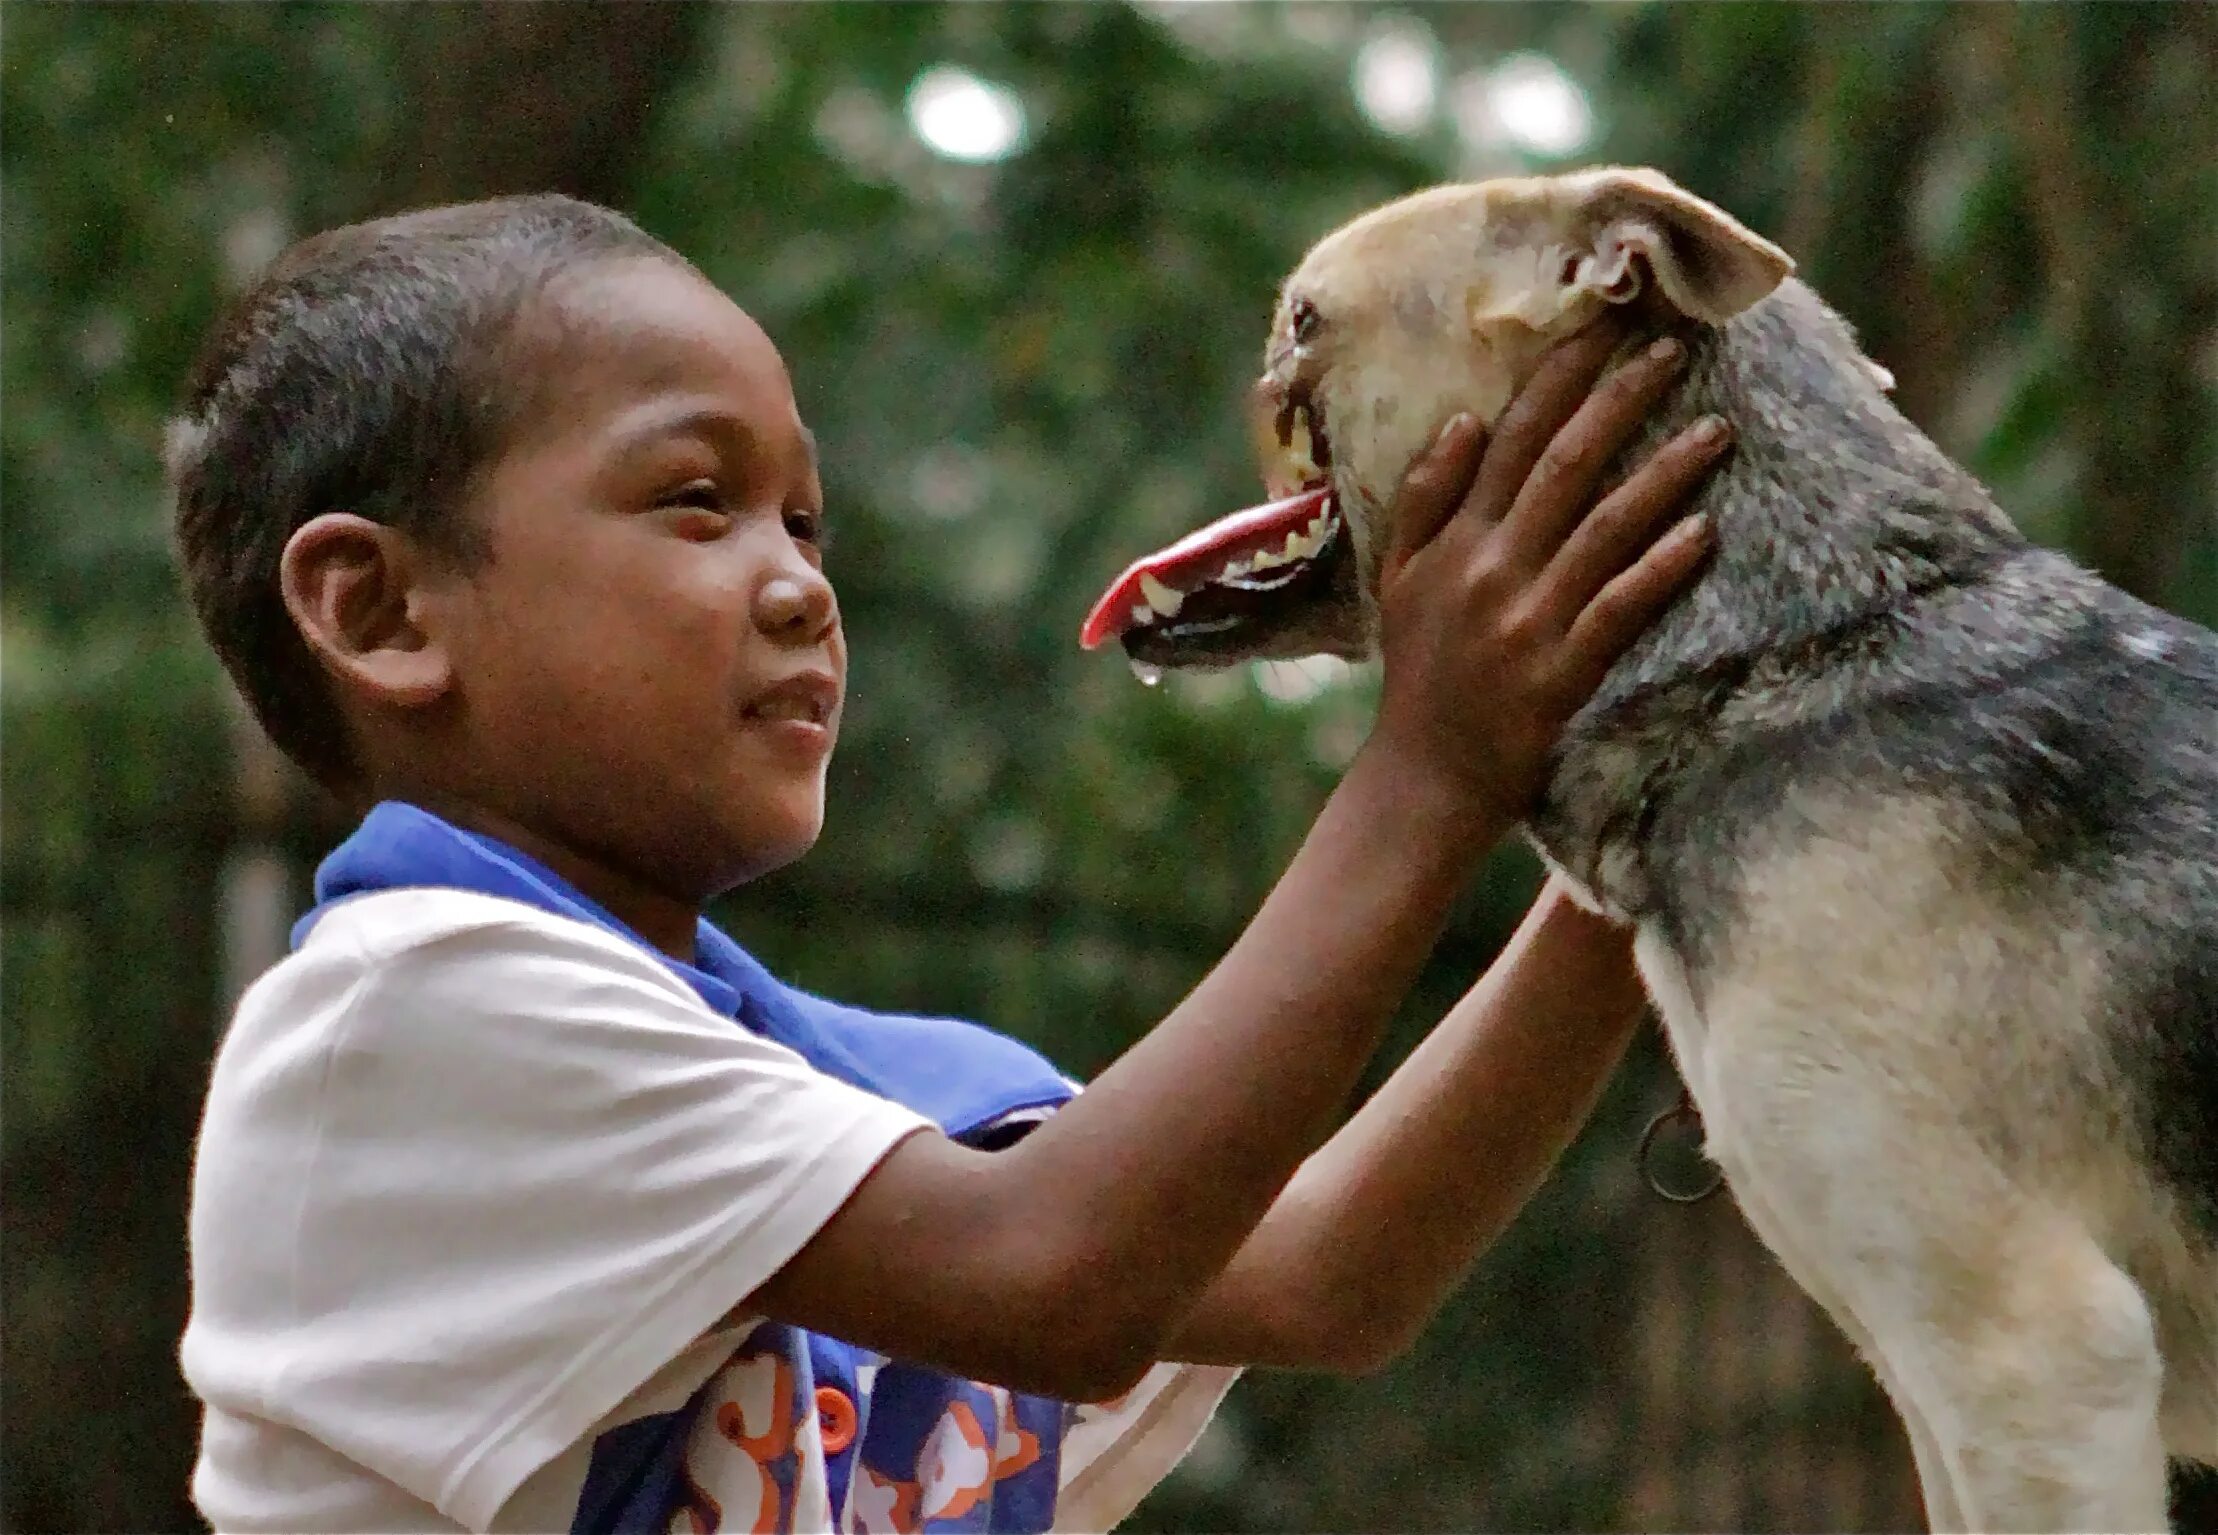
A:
795,605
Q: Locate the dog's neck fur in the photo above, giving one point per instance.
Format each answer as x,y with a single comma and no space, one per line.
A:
1833,511
1833,506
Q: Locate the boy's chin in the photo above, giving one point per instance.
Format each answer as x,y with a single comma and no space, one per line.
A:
765,846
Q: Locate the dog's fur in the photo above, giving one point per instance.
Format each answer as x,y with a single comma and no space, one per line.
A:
1918,823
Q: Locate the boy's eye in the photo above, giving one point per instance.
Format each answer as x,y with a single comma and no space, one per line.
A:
701,493
700,508
808,527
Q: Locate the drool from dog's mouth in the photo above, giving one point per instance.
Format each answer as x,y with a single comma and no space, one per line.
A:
1224,592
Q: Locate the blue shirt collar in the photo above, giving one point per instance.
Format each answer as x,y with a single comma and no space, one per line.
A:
957,1073
399,845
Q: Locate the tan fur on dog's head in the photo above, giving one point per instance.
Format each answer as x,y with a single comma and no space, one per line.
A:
1439,303
1445,300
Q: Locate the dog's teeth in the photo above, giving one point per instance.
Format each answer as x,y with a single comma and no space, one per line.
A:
1309,540
1164,599
1143,614
1236,569
1301,448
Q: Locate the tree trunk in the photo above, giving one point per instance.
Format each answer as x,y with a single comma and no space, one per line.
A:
531,97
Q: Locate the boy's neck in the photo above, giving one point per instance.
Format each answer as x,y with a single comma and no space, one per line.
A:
669,922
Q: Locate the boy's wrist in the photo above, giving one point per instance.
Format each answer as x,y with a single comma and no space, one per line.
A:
1423,805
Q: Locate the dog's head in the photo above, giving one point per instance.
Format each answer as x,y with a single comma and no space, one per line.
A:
1441,302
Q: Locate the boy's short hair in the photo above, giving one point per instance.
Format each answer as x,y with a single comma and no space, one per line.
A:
363,372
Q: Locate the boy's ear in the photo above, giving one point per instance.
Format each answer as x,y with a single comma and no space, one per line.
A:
1624,227
353,589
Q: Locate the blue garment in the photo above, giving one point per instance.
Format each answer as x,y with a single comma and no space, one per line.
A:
966,1078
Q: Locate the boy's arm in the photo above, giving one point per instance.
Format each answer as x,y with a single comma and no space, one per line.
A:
1060,1264
1383,1222
1065,1263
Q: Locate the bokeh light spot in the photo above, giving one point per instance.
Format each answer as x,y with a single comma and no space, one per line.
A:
1530,102
1397,77
962,117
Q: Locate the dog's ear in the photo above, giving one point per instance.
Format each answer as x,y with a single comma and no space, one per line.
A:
1625,227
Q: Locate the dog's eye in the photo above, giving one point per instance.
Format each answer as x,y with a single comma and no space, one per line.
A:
1305,321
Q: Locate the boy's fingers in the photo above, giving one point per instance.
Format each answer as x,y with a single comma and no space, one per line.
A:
1561,487
1609,538
1434,487
1624,608
1547,401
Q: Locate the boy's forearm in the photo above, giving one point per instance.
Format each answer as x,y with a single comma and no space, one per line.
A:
1383,1222
1098,1232
1209,1116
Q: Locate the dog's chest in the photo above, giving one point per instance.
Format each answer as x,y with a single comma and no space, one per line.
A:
1670,986
1709,1074
1671,991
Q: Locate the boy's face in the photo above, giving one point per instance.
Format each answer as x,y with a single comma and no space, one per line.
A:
649,667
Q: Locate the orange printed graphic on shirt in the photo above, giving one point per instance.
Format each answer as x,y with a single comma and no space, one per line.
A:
756,1417
880,1505
1014,1449
956,1466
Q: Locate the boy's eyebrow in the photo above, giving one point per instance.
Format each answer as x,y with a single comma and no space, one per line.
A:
655,422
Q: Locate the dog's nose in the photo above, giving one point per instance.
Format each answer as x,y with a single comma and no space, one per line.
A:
1267,418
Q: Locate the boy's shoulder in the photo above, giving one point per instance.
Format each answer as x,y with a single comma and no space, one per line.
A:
384,924
437,979
433,931
438,973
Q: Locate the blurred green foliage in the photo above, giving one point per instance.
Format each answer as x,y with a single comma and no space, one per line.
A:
1023,373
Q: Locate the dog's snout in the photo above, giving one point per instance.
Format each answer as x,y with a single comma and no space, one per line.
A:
1268,409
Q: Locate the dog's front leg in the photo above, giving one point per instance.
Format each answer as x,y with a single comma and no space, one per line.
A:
2003,1328
1944,1515
1766,1198
2042,1376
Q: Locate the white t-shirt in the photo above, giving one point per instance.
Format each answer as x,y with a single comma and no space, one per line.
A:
478,1184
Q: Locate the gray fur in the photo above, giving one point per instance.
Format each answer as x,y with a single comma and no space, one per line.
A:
1872,620
1918,827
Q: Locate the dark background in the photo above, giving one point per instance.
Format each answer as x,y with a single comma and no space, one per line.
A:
1024,370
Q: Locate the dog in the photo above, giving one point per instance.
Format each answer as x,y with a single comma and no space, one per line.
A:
1916,822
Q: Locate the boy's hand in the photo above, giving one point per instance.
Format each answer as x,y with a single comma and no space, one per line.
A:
1508,590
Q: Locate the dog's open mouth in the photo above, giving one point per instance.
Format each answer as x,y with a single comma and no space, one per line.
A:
1242,586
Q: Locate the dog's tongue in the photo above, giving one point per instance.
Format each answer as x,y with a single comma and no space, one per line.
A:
1198,558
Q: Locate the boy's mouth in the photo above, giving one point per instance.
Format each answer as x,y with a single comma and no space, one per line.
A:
1233,588
808,698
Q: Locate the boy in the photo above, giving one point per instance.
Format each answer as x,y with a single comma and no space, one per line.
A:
525,1199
